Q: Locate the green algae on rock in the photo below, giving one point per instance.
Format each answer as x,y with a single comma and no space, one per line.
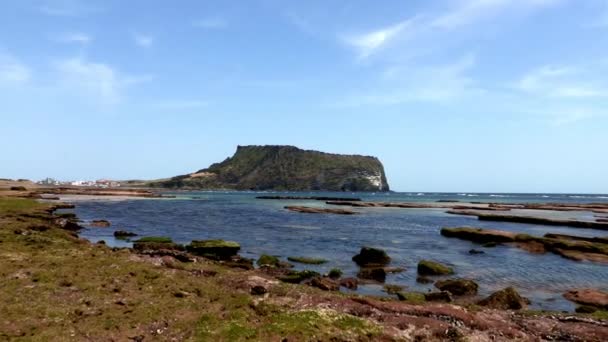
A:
430,268
307,260
219,249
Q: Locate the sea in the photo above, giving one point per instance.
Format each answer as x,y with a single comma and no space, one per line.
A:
407,235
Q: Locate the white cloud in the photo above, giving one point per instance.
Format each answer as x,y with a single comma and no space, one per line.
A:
561,82
13,71
143,40
75,37
98,80
370,42
211,23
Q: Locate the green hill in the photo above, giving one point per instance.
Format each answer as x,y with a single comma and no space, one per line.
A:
285,168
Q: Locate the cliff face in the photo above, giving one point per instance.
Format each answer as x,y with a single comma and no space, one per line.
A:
286,168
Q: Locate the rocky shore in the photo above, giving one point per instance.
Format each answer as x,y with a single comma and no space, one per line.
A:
58,287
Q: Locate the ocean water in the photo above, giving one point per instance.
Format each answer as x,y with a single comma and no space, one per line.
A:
408,235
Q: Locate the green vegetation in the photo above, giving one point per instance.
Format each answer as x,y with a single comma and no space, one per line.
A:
306,260
296,277
285,168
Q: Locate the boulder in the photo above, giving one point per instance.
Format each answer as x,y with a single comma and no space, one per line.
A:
349,283
458,286
369,256
430,268
476,251
150,243
324,283
589,297
18,188
258,285
392,288
239,262
506,299
443,296
378,274
100,223
214,249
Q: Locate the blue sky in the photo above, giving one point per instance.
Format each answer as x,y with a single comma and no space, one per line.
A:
452,95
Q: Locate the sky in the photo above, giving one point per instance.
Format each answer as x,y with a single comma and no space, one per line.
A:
451,95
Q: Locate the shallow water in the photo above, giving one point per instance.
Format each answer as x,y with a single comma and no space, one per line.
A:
408,235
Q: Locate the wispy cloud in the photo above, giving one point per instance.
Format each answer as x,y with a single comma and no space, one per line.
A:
74,37
99,80
143,40
561,81
370,42
67,8
211,23
13,71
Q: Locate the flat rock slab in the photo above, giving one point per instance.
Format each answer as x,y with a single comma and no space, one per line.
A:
311,210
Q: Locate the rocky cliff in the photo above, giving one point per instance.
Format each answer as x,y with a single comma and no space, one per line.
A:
286,168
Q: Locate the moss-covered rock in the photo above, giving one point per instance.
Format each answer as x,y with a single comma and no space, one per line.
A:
430,268
392,288
154,243
411,297
307,260
268,260
506,299
214,249
458,286
443,296
296,277
369,256
335,273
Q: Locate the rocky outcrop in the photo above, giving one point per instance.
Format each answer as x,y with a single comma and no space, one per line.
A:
506,299
123,234
369,256
590,297
286,168
324,283
314,198
214,249
567,246
458,286
443,296
378,274
432,268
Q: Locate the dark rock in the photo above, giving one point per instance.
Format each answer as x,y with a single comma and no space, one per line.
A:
489,244
411,297
369,256
392,289
423,280
506,299
214,249
307,260
586,309
67,224
349,283
18,188
429,268
476,251
377,274
458,287
123,234
325,284
443,296
258,290
239,262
